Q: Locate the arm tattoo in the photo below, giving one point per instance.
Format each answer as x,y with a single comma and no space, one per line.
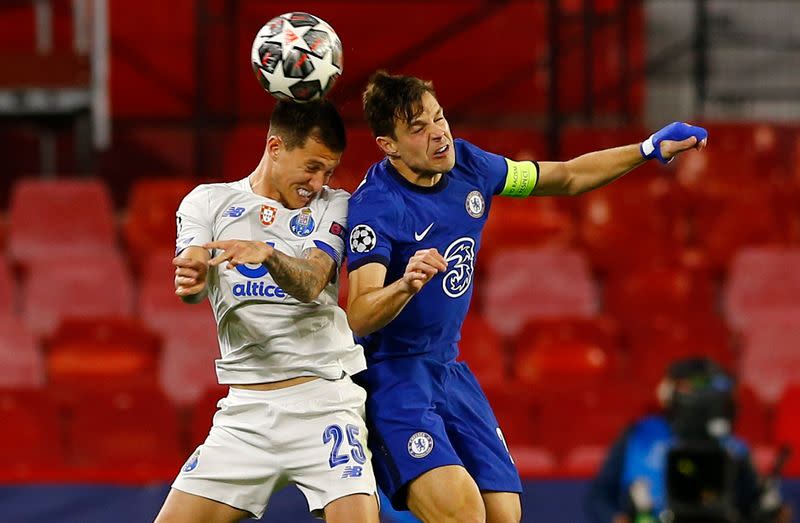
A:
302,278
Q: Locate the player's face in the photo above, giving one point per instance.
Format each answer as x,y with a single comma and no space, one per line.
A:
425,145
299,174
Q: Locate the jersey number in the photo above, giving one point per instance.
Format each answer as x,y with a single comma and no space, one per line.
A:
336,434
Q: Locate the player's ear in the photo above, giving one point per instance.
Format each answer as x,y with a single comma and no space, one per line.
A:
274,145
387,145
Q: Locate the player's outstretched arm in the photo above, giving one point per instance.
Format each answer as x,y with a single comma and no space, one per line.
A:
371,306
191,269
599,168
302,278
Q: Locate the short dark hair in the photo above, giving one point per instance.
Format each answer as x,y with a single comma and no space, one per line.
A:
295,122
392,98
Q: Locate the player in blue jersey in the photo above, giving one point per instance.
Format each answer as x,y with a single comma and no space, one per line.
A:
415,229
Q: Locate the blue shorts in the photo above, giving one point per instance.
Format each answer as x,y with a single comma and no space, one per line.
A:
423,414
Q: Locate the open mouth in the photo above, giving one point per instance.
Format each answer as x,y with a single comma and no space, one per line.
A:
304,193
441,151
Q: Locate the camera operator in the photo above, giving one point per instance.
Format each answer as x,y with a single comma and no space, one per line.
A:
642,472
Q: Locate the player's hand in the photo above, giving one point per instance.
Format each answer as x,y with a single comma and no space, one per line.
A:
621,518
424,265
190,276
237,252
672,140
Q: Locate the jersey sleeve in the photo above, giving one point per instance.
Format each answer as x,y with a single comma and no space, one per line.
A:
193,218
330,235
503,176
372,222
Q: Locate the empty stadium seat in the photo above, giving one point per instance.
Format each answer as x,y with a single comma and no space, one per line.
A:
523,284
21,362
566,412
528,222
150,223
75,287
762,279
566,350
135,430
787,426
584,461
100,352
187,359
51,218
202,414
770,356
753,421
7,289
639,220
534,462
483,350
31,439
645,292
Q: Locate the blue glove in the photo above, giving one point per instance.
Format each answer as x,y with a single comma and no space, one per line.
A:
677,131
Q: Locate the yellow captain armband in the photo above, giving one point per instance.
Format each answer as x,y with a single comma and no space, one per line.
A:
521,178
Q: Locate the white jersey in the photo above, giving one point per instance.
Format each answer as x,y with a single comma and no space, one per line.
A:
265,334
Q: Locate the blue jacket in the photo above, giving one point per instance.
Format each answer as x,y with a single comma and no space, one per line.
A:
641,452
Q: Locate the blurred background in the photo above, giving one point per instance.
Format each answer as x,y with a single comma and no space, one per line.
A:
111,111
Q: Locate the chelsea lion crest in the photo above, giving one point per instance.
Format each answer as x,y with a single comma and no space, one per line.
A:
302,224
475,204
420,444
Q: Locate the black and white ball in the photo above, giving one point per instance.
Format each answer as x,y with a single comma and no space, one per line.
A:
297,56
362,239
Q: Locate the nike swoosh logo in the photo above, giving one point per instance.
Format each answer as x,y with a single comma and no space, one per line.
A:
420,236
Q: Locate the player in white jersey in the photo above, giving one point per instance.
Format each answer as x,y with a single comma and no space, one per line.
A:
266,251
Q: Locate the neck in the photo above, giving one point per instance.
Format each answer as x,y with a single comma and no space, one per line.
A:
421,179
260,179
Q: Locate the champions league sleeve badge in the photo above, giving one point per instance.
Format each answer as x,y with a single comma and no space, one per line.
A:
302,224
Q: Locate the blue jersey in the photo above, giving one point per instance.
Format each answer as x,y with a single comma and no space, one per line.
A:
390,219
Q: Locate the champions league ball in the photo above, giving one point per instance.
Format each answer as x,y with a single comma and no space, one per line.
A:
297,56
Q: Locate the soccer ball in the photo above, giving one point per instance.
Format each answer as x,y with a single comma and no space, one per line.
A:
297,56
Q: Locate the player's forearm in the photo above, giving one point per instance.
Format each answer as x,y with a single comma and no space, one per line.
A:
195,298
587,172
375,309
301,278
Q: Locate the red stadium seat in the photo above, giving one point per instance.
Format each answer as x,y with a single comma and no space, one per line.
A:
524,284
753,420
658,340
515,409
483,350
150,224
203,414
639,220
762,279
566,350
529,222
7,291
534,462
21,363
31,439
75,287
187,359
51,218
643,293
787,426
588,413
770,356
584,461
133,430
102,352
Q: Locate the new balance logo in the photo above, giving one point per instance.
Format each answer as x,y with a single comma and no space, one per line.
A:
352,472
233,212
420,236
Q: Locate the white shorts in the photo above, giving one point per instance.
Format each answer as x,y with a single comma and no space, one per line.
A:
312,435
